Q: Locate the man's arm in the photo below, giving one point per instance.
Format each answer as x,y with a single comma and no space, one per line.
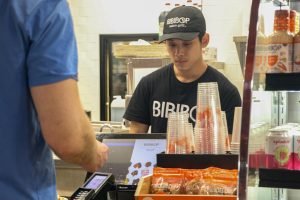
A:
137,127
65,126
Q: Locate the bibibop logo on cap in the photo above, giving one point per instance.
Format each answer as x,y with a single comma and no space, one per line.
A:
185,22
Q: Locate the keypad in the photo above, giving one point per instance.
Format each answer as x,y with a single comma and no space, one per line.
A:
81,195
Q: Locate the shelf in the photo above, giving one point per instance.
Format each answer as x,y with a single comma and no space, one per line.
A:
279,178
283,81
197,161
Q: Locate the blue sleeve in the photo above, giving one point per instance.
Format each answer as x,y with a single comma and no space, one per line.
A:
52,54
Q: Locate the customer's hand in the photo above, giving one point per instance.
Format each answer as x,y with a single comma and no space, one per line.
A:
102,152
98,159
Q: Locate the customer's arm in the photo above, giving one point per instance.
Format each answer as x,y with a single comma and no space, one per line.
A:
65,126
137,127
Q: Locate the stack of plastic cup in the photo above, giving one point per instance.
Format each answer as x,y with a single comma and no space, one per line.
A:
171,134
189,135
209,116
236,131
178,134
181,142
226,136
202,143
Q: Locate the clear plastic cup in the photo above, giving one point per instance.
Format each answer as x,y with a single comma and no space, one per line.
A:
189,135
176,133
209,117
226,147
202,144
236,131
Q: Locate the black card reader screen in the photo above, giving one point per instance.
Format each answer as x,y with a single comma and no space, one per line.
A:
95,182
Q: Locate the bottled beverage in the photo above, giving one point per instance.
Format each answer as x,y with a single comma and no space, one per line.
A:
162,17
293,18
260,65
297,22
296,64
280,44
177,5
117,109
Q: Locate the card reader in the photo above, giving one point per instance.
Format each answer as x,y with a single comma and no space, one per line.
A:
96,187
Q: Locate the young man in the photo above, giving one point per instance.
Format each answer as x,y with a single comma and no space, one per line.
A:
39,102
174,87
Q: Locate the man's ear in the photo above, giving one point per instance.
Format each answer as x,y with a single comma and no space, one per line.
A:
205,40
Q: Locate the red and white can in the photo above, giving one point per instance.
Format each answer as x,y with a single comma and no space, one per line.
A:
296,151
279,148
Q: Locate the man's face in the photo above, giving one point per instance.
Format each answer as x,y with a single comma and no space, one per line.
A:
186,55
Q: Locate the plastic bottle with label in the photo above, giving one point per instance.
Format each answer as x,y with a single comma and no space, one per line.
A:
162,17
296,63
293,21
177,5
117,109
260,66
280,44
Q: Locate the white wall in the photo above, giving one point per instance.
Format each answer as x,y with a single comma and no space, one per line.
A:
225,19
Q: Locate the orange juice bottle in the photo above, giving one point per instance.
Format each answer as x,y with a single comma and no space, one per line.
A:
280,44
296,64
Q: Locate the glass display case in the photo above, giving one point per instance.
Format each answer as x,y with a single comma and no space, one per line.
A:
268,158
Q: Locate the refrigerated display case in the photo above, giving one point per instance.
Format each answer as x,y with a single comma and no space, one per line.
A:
281,91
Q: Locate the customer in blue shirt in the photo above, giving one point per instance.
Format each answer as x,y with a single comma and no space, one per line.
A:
39,102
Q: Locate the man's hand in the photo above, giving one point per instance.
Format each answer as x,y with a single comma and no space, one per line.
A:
100,159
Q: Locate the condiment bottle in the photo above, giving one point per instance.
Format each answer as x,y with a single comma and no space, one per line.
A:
296,64
260,66
280,44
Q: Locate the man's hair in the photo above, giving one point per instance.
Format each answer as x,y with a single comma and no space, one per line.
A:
200,36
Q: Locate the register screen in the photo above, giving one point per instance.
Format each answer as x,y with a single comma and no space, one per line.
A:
95,182
130,159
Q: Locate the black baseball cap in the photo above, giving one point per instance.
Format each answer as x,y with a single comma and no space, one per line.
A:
184,22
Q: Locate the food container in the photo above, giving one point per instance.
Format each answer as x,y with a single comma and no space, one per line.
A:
142,193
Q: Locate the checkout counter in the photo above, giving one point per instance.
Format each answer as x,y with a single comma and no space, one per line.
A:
131,156
70,176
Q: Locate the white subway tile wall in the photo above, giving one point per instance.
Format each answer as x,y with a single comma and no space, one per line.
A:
225,19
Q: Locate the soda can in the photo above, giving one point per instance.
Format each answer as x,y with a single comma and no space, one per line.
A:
279,148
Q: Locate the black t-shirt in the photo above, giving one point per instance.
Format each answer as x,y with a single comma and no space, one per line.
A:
160,93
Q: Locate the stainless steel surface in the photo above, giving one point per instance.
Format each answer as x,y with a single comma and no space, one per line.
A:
68,177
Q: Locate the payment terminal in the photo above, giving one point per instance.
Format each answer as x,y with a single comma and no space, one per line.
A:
96,187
